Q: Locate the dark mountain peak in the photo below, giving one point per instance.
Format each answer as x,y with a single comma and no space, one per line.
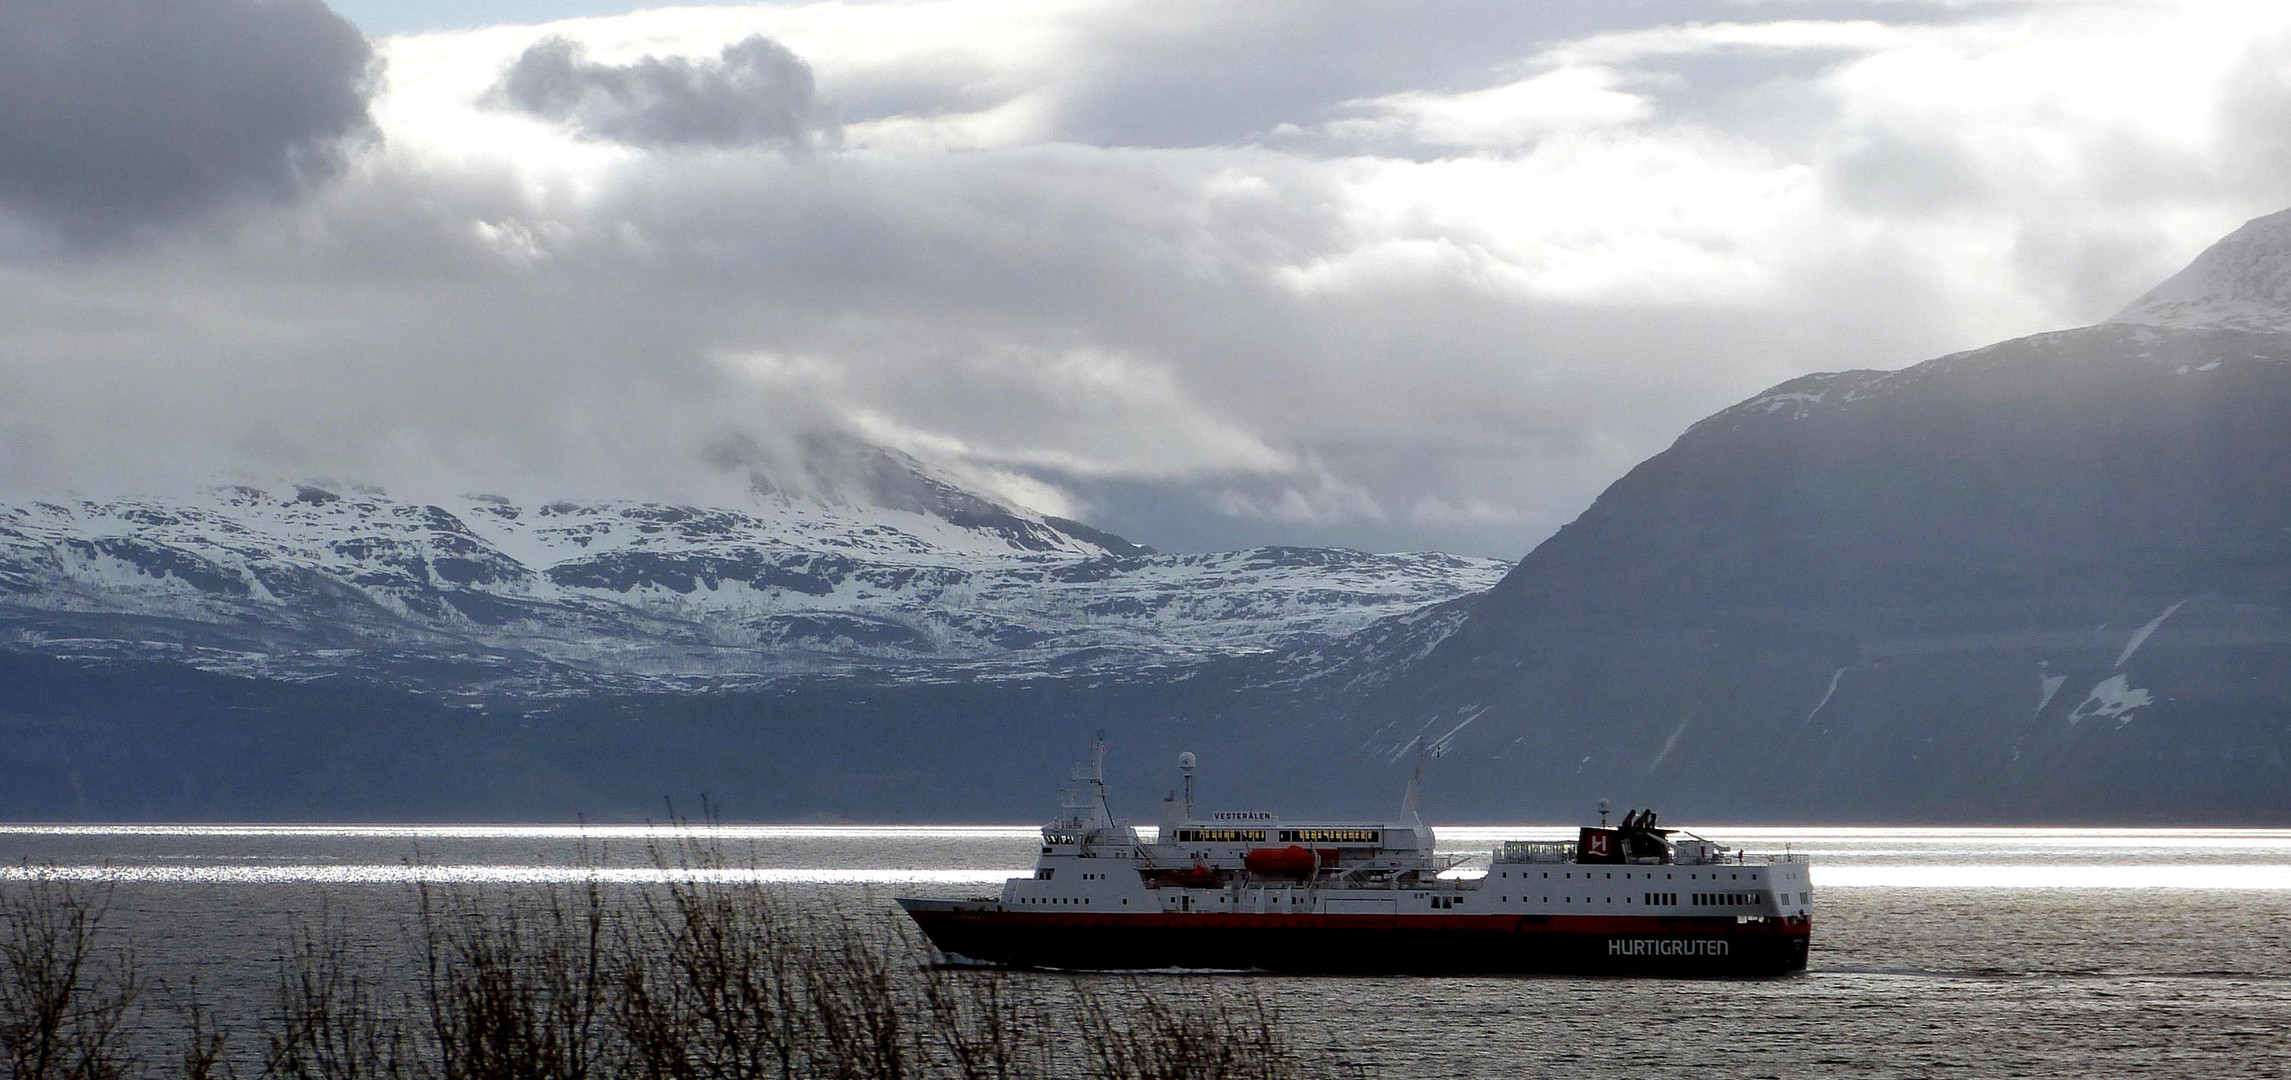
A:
2220,311
1909,595
1113,544
843,470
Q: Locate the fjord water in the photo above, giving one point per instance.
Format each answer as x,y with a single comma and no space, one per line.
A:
1988,952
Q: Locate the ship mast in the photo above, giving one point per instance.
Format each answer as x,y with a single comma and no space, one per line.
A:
1086,814
1414,794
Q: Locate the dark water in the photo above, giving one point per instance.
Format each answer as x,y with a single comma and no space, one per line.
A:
1936,952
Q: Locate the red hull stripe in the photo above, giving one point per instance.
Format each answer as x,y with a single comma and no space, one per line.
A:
1549,924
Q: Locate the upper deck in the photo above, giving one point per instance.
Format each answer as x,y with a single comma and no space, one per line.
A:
1256,862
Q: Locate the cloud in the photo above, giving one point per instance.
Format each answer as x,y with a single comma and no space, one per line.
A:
755,93
1515,114
126,114
1202,274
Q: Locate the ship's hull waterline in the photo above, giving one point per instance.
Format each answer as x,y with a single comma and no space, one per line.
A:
1365,944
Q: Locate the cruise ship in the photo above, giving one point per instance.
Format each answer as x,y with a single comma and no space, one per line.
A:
1249,890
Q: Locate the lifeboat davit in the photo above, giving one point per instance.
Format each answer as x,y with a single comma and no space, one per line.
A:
1290,861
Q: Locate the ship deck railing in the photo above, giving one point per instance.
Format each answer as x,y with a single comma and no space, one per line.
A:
1563,851
1537,851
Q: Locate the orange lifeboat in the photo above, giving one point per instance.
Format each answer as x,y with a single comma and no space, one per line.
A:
1290,861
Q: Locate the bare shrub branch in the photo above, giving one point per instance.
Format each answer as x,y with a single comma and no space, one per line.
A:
64,997
515,987
707,975
331,1021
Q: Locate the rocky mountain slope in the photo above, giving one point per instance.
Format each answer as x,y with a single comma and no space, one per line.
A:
2047,579
305,581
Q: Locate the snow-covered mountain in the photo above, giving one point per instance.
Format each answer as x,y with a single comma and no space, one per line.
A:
2243,282
303,580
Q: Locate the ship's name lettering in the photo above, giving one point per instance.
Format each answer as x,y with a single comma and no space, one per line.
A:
1331,836
1244,815
1666,947
1220,836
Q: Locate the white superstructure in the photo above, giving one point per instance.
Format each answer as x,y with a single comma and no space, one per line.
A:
1257,862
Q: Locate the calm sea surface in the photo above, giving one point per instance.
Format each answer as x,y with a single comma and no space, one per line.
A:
1969,952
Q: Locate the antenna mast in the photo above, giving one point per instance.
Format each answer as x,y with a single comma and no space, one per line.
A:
1415,786
1185,766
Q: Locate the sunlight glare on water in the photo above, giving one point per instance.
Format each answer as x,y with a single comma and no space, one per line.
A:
940,855
1970,952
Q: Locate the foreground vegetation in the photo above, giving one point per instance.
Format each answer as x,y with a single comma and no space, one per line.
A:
703,978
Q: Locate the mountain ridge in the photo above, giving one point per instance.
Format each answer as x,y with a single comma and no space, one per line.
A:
663,594
2045,579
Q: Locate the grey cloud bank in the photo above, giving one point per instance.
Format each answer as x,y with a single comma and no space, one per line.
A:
1220,276
129,113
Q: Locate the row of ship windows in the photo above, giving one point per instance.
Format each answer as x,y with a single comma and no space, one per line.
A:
1726,899
1700,899
1730,899
1627,876
1658,898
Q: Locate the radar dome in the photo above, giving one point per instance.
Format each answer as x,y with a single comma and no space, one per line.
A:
1185,761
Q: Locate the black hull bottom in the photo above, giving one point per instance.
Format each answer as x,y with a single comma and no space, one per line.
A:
1368,944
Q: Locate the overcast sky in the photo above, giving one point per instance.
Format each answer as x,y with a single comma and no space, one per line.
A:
1203,273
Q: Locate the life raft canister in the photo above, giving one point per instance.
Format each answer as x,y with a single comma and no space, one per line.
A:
1290,861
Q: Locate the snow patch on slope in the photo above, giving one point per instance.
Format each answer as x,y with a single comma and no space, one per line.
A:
1827,694
2113,698
2140,636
